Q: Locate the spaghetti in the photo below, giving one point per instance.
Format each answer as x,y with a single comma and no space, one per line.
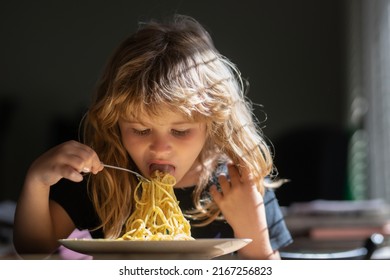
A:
157,215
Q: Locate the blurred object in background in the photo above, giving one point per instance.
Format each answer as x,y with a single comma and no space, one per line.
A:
338,220
7,212
357,106
67,254
328,229
368,84
357,176
374,247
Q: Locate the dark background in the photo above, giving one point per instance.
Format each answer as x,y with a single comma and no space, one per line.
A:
292,53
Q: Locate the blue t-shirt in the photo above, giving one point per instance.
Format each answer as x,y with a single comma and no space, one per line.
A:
278,232
73,197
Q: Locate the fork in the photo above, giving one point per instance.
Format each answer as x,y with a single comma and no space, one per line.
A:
139,176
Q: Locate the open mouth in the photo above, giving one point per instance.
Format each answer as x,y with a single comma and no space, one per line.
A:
166,168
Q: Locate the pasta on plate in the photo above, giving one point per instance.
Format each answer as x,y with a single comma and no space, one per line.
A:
157,215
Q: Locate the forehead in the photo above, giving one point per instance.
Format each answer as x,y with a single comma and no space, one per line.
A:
164,114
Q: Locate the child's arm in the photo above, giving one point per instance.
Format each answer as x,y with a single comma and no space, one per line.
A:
243,208
39,223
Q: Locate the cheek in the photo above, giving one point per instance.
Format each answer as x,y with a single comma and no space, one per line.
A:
132,145
195,147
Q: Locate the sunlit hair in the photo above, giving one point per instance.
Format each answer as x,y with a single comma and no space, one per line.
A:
171,66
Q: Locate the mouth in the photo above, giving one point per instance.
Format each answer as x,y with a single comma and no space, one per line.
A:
166,168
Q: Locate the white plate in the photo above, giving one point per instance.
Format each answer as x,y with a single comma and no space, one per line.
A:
167,249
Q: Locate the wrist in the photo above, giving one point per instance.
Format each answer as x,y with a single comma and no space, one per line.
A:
35,183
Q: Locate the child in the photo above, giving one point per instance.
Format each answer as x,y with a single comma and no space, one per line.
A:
169,101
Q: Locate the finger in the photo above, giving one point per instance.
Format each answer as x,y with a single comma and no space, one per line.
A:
97,167
76,162
74,176
92,158
224,183
215,194
246,175
70,173
235,177
85,159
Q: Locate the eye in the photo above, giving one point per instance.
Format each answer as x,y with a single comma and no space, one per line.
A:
180,133
142,132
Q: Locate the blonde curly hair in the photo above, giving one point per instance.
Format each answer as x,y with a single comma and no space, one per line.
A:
172,64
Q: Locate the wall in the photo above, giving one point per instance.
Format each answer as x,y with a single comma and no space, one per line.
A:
52,52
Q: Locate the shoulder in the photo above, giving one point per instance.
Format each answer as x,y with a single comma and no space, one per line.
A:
75,200
67,188
278,231
272,208
269,196
70,195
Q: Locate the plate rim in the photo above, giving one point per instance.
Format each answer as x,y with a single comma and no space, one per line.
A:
212,247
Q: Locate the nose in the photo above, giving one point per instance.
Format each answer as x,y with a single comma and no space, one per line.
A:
160,144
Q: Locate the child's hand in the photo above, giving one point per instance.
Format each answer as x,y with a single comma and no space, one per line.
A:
66,160
241,203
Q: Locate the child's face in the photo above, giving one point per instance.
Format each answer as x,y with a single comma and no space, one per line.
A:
169,143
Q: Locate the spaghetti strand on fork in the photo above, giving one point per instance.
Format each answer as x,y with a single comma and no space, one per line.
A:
157,215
